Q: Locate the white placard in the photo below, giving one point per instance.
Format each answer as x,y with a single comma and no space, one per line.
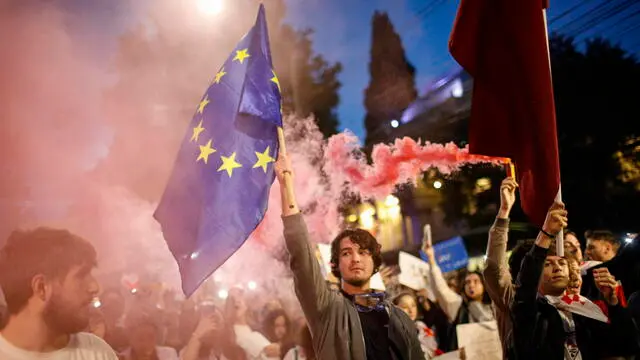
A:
413,271
454,355
480,340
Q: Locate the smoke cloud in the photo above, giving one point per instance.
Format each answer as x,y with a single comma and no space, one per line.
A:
89,136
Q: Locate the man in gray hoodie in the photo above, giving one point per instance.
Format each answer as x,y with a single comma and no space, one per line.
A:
355,323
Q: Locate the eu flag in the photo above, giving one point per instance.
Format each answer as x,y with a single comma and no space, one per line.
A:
218,191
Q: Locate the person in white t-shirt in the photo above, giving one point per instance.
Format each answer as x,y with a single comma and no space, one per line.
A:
255,345
144,335
46,278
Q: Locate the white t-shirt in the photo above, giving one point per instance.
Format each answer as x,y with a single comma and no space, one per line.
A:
252,342
82,346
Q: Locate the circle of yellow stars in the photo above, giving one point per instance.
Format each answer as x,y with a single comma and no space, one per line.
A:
229,163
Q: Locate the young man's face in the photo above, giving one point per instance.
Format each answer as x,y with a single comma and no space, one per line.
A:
356,264
572,244
555,276
68,308
599,250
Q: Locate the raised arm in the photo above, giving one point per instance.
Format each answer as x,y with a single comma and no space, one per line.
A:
310,286
496,272
449,300
525,305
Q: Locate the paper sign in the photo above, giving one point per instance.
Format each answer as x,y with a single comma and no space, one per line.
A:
454,355
252,342
450,254
325,255
413,273
480,340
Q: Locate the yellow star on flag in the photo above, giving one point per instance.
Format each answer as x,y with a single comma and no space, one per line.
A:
203,104
219,76
205,151
275,80
263,160
241,55
229,163
196,132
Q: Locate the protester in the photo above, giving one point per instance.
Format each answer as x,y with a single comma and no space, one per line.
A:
549,324
208,341
474,305
304,347
354,323
601,245
112,307
253,343
605,251
277,329
46,277
433,316
496,272
426,335
572,245
144,334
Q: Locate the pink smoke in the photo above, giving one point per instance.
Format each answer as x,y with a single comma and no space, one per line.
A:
89,147
400,163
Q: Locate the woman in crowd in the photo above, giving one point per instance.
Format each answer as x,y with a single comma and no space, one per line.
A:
255,345
473,305
304,348
209,341
426,335
277,328
143,340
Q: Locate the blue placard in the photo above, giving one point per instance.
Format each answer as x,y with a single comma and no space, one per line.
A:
450,254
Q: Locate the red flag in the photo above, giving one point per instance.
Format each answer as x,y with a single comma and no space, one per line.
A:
502,44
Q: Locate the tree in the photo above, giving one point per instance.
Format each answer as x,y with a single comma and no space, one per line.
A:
598,130
596,93
311,85
629,161
392,86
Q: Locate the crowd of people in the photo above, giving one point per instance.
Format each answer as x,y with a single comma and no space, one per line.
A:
572,306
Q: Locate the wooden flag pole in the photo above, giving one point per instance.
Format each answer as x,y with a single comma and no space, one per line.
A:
288,179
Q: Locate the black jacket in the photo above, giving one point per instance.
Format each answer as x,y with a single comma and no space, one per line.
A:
625,267
538,328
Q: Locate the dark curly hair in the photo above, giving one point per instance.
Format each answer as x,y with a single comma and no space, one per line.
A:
268,325
364,239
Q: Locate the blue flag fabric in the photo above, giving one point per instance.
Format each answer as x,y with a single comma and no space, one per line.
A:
218,191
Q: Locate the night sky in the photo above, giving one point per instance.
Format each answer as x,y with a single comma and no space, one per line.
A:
343,33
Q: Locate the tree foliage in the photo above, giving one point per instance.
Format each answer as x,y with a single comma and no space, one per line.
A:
598,124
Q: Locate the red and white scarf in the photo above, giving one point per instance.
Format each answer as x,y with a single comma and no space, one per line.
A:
578,304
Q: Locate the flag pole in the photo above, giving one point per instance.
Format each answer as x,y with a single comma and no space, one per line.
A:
560,236
288,180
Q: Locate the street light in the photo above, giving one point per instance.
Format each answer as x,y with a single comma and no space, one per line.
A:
223,294
252,285
210,7
394,123
437,184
